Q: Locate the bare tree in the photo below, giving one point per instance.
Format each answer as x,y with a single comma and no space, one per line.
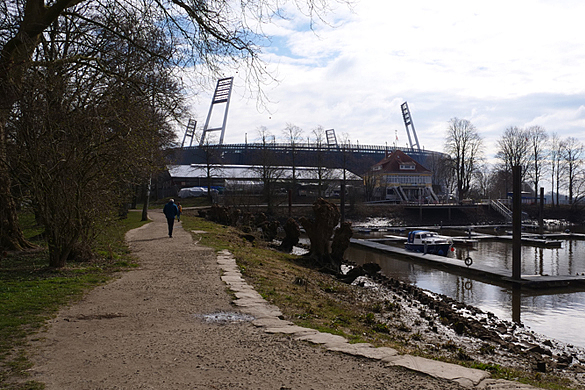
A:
293,134
213,35
579,190
464,146
269,169
322,171
497,182
346,158
513,150
572,153
369,185
436,164
482,180
80,137
537,141
557,166
78,171
211,155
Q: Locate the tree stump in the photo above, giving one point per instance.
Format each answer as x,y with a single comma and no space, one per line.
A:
269,230
246,222
219,214
340,243
292,232
234,215
320,231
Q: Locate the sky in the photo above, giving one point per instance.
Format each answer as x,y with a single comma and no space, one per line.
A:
497,64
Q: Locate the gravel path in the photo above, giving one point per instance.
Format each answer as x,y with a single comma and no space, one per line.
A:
148,330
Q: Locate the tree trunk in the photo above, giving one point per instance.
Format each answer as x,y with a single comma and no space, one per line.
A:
58,253
320,230
15,56
57,258
293,232
341,240
146,201
61,242
11,237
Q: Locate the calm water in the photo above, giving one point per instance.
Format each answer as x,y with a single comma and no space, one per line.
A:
557,314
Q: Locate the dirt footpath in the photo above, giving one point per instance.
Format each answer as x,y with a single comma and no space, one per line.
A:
148,330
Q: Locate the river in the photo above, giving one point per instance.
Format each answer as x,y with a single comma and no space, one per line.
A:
558,314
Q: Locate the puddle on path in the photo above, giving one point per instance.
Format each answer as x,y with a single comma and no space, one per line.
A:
225,317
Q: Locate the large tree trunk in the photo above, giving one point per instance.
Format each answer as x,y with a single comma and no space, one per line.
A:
11,236
14,59
320,231
341,240
293,232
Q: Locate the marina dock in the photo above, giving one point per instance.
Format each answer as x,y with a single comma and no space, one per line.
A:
545,240
497,275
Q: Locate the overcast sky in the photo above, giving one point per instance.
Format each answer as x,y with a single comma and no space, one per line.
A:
497,64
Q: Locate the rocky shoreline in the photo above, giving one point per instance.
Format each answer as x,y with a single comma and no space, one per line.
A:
437,325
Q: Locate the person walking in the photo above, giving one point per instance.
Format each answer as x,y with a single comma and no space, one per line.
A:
171,211
180,208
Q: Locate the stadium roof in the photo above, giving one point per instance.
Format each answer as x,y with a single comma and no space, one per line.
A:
253,172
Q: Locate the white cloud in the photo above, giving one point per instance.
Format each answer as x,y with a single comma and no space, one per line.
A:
495,63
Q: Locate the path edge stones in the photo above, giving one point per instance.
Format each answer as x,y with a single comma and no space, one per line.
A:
270,318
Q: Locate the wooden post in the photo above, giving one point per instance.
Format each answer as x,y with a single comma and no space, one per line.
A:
516,222
541,212
342,200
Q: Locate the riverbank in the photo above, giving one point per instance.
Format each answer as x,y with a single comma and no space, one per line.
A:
438,326
390,313
170,324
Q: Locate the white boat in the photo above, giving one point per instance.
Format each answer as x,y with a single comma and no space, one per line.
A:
425,241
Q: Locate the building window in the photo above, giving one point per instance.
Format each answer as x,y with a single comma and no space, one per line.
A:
409,167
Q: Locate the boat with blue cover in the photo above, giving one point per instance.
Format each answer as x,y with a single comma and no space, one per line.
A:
425,241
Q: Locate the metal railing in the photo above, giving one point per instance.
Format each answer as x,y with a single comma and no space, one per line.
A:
500,208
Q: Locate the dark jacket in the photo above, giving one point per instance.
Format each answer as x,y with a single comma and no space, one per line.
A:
171,210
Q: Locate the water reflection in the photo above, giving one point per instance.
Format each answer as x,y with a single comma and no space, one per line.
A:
566,260
557,314
516,304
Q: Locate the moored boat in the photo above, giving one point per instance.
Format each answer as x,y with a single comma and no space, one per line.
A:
425,241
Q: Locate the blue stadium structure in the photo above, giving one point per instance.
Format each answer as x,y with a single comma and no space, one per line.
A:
356,158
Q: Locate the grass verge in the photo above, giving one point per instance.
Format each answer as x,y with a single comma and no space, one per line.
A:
31,292
319,301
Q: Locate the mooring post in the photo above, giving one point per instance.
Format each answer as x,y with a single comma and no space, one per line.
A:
541,212
516,222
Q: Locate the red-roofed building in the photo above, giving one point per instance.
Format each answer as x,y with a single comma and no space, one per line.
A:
401,179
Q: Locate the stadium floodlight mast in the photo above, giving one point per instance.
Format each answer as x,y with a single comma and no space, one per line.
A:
409,126
222,95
